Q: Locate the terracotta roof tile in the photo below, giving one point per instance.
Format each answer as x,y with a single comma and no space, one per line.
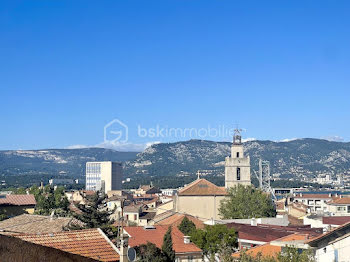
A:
202,187
314,196
18,200
36,224
341,201
266,250
176,219
91,243
140,235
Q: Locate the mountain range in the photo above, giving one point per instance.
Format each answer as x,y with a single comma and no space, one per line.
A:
301,158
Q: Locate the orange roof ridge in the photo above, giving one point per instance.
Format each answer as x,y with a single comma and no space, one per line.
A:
202,187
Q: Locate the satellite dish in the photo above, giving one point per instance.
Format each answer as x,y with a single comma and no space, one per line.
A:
131,254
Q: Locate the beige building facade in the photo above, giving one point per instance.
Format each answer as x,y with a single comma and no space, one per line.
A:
200,199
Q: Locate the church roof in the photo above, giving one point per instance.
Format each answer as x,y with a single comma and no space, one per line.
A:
202,187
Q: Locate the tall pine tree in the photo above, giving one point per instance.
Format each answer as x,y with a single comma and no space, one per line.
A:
167,246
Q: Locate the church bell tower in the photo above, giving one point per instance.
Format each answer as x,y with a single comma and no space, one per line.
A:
237,166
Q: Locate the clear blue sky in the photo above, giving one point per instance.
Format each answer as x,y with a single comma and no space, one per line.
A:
280,69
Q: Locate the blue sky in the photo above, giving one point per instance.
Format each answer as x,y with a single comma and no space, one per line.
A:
279,69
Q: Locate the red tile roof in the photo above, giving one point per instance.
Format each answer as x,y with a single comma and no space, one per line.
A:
266,250
18,200
341,201
176,219
140,235
202,187
314,196
92,243
336,220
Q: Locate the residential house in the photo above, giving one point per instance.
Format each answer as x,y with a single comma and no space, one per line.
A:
80,197
132,213
138,215
339,206
314,202
147,189
185,250
14,205
201,199
146,218
333,245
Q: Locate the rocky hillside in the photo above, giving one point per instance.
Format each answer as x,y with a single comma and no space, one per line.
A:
70,162
297,158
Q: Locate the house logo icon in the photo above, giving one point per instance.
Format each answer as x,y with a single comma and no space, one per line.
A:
116,131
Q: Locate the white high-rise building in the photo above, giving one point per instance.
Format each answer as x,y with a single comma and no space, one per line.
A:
103,176
237,166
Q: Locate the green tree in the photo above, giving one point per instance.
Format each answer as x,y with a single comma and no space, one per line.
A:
186,226
35,190
167,246
292,254
20,191
288,254
212,238
150,253
92,216
246,202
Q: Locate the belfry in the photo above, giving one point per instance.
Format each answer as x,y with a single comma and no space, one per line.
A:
237,166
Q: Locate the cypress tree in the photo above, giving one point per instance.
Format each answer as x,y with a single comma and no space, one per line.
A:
167,246
186,226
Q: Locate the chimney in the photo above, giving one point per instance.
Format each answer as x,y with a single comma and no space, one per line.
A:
253,222
52,214
187,239
124,243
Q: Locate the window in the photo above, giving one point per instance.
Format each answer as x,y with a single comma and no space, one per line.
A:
238,173
135,217
237,154
127,217
190,258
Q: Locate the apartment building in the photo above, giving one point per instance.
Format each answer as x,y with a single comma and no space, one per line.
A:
103,176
